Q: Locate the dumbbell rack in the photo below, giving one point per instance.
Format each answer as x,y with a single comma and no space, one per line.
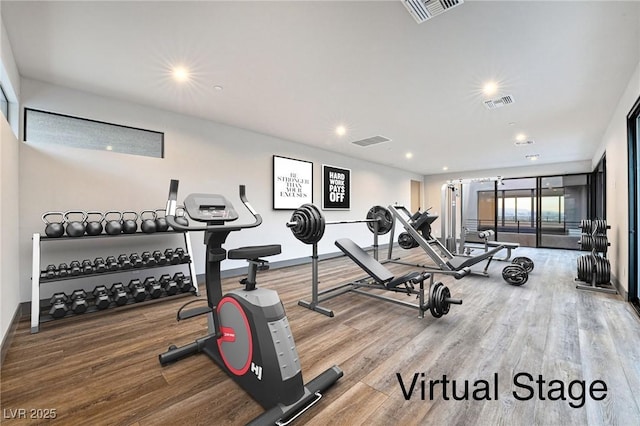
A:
37,305
594,268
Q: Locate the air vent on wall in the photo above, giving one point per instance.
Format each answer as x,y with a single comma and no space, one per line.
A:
499,102
371,141
423,10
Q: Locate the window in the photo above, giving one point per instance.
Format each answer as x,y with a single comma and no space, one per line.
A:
4,103
49,127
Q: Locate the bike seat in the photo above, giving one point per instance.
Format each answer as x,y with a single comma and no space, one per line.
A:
254,252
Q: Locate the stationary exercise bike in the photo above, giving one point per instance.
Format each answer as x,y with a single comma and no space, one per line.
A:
249,335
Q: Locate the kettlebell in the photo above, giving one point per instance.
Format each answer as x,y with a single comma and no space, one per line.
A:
53,229
148,226
75,228
94,228
129,226
113,227
181,217
161,222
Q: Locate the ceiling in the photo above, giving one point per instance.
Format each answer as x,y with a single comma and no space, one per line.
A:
298,69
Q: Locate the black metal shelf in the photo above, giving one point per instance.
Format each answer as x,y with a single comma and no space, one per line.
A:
39,316
99,274
90,237
91,309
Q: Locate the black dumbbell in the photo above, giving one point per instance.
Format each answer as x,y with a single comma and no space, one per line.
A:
63,270
153,287
51,272
99,265
172,256
170,286
112,263
74,268
184,257
160,258
135,260
59,306
137,290
119,294
87,267
101,297
147,259
124,262
184,283
79,301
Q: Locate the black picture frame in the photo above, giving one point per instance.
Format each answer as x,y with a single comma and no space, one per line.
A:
336,188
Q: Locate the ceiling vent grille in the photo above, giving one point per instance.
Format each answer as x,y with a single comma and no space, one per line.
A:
521,143
371,141
423,10
499,102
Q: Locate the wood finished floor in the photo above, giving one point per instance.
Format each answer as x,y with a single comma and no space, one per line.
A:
103,368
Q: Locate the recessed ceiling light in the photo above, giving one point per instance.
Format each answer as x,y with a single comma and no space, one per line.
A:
409,155
109,148
445,168
341,130
490,88
521,137
180,74
218,88
533,157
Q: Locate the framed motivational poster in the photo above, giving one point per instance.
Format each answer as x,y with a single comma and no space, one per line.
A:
336,188
292,183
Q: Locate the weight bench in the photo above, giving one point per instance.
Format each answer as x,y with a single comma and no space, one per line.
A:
485,235
439,295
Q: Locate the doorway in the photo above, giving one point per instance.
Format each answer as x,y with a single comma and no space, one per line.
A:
416,195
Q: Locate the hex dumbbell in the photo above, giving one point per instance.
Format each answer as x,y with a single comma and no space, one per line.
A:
184,257
147,259
119,294
87,267
101,297
153,287
160,258
169,285
184,283
137,290
79,301
50,273
59,306
124,262
63,270
74,268
136,260
99,265
172,257
112,263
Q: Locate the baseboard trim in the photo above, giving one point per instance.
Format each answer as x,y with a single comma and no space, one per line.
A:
11,331
621,291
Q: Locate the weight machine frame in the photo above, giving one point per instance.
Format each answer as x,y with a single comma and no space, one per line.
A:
443,266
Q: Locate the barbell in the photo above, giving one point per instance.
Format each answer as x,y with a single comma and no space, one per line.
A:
308,224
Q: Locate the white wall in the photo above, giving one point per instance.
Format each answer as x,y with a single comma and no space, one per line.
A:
433,183
614,143
9,213
205,156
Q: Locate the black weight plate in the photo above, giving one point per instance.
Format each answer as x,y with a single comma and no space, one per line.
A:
384,218
433,300
525,262
515,275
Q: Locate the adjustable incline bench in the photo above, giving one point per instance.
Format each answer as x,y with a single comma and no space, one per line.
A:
439,295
